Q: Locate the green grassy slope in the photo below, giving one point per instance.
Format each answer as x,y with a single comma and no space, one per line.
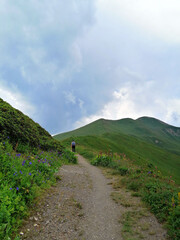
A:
20,129
144,140
147,129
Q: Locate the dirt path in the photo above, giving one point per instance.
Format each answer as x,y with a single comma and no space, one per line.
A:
80,207
102,213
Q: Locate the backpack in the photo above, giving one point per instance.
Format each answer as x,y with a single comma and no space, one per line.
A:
73,144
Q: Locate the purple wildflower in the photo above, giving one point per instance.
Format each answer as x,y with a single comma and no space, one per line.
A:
17,189
10,188
20,172
23,162
30,162
30,174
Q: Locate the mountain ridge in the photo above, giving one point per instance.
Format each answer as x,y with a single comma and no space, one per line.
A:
147,128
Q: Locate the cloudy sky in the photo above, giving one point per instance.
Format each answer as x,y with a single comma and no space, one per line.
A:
68,63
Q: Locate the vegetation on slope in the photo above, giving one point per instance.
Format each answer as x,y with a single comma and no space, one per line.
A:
22,178
22,130
29,157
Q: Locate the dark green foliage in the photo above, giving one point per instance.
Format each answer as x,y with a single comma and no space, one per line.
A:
159,196
134,186
22,131
102,160
174,223
122,171
69,156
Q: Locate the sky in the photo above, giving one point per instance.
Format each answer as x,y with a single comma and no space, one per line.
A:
68,63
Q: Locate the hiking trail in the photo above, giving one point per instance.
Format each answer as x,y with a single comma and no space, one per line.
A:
80,207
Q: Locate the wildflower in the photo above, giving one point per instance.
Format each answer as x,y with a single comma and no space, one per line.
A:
149,172
23,162
17,189
10,188
30,162
30,174
20,172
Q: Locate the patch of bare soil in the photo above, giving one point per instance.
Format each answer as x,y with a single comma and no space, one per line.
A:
81,207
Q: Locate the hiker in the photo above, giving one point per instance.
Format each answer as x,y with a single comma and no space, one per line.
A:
73,144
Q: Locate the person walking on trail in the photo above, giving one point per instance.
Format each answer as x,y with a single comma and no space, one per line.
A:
73,145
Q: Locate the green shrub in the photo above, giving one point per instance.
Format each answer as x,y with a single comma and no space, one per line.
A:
102,160
22,148
123,171
70,156
134,186
174,223
159,196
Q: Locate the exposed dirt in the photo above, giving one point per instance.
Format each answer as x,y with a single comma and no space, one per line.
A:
81,207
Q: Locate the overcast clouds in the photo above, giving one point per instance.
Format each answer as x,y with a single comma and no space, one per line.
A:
67,63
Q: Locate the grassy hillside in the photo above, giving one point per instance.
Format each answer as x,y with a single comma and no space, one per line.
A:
147,129
22,130
143,140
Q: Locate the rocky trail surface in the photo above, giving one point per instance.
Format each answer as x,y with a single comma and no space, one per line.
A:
81,207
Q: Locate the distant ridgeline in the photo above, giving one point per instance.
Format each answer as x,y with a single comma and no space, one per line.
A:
20,129
146,129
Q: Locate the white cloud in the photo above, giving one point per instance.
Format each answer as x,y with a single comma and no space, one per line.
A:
131,102
159,18
70,98
171,110
17,100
